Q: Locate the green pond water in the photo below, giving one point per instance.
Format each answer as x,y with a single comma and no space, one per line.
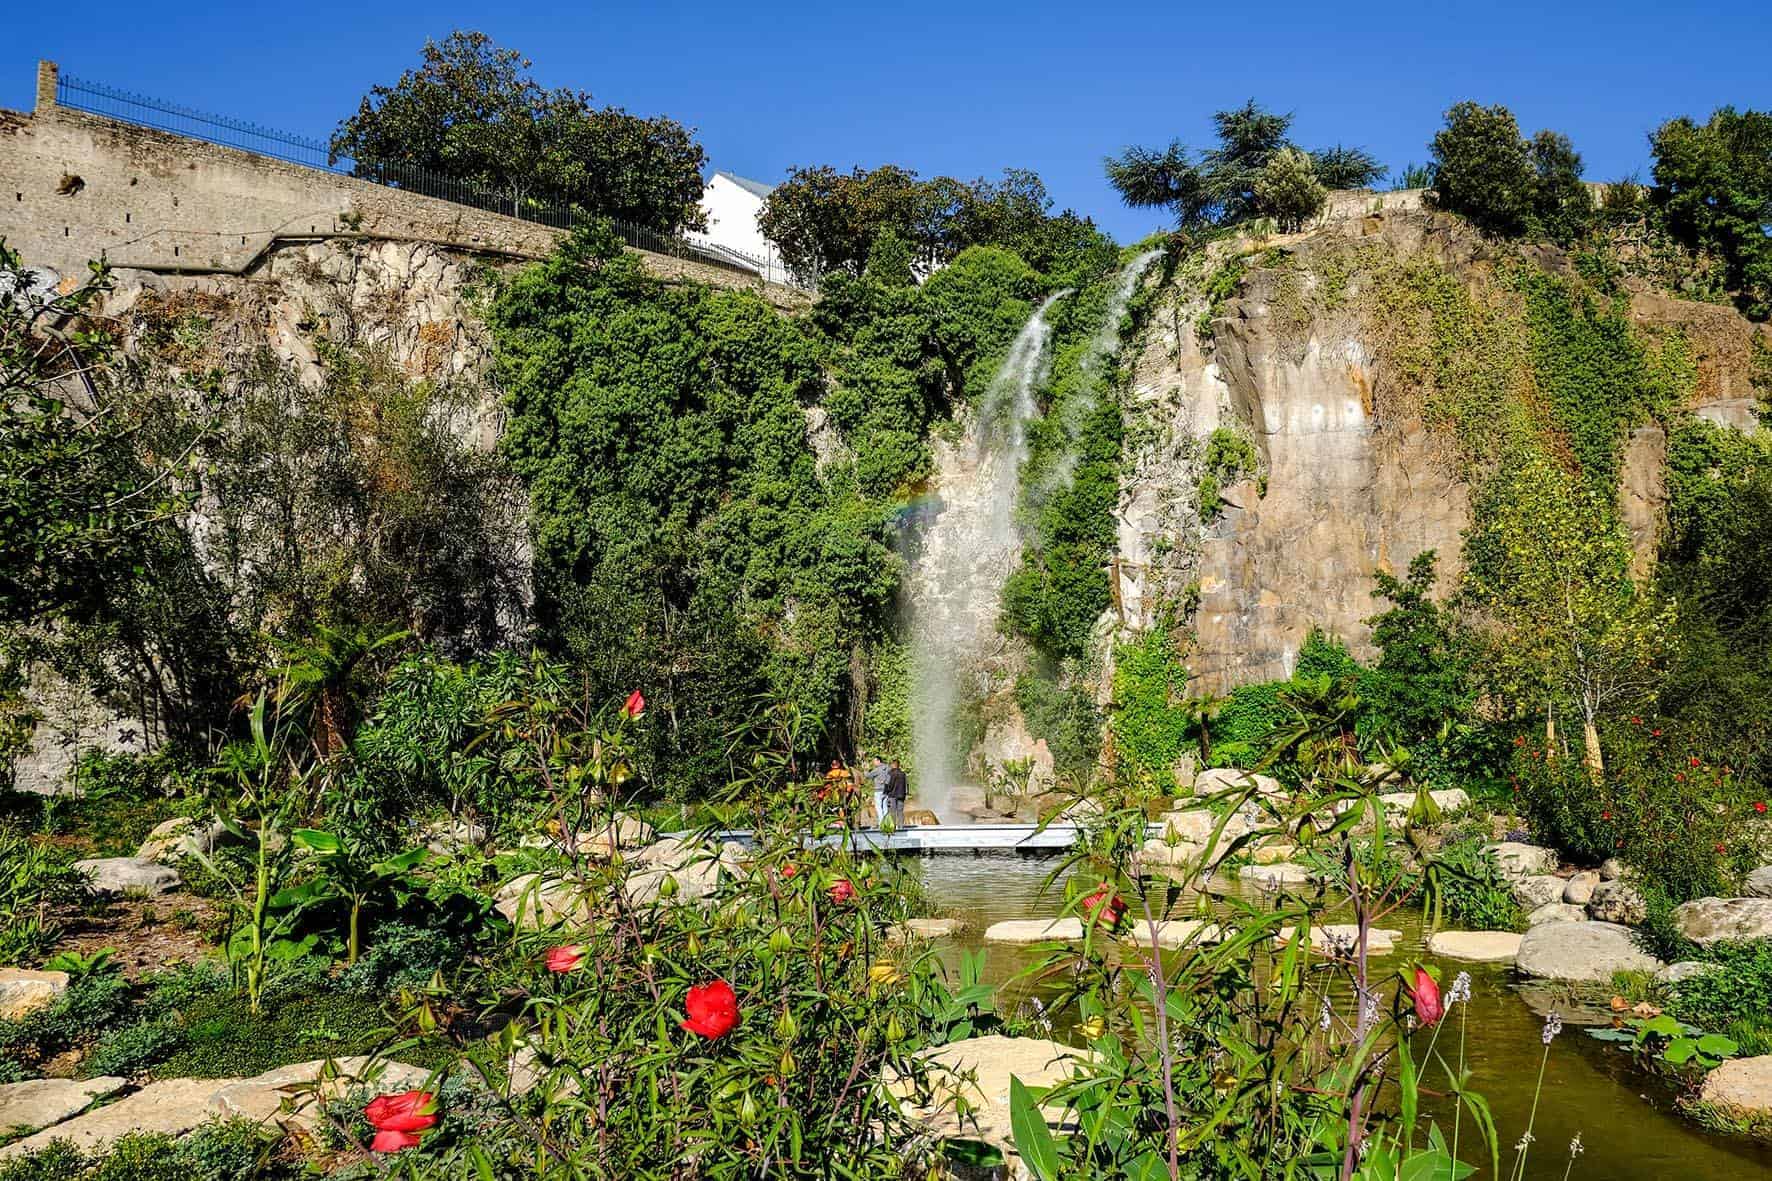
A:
1629,1127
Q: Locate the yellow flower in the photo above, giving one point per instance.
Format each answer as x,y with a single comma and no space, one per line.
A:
1094,1028
884,974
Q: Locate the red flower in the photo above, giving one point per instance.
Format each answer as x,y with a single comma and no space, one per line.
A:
397,1119
712,1008
1721,847
1428,1009
565,957
789,870
1679,777
1693,761
391,1141
634,706
1760,807
1519,740
1111,905
1636,721
1655,733
842,891
1605,815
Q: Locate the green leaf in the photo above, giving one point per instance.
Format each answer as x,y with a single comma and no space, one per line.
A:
1717,1046
1033,1139
1679,1051
315,841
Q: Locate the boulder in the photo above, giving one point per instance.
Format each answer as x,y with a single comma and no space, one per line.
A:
970,1084
1556,912
1534,891
1397,803
1682,970
114,876
445,837
925,928
1337,939
45,1102
1273,854
1742,1086
1580,889
622,832
1069,930
1196,825
1173,854
1173,933
1272,877
1515,859
1221,779
262,1098
1714,920
693,864
1477,947
171,1107
1616,901
1581,952
530,900
1612,869
171,841
1758,884
23,992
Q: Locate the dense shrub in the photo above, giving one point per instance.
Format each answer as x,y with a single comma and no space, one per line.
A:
1505,184
36,881
218,1150
1150,727
1734,999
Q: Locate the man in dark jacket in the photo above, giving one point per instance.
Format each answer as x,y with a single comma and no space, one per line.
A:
898,789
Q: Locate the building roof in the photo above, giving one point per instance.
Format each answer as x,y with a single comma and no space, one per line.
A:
754,187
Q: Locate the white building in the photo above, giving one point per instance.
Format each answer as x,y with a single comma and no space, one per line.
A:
733,204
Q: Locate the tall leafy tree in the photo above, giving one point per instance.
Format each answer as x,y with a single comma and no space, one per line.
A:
1713,187
1506,184
472,112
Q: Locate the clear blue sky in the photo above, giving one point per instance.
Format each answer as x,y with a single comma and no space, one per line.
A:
958,87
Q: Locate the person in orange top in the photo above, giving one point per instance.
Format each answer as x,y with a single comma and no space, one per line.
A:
838,783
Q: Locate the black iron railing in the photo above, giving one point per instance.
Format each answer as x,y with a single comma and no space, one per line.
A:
123,106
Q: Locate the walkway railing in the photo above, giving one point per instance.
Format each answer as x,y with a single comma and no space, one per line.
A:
125,107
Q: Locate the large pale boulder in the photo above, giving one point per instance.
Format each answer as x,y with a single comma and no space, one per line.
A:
1581,952
1534,891
1515,859
45,1102
1616,901
1477,947
1612,869
1281,873
113,876
1556,912
1714,920
1173,854
1220,779
1035,930
171,1107
1173,933
623,832
1580,890
1683,970
974,1075
1740,1086
293,1094
171,841
446,836
1397,803
1758,883
531,900
1196,825
23,991
694,865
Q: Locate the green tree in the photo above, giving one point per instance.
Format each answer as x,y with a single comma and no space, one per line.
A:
1482,169
1713,187
472,112
1288,189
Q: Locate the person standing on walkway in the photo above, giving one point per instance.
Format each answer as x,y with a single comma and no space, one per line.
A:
898,789
879,775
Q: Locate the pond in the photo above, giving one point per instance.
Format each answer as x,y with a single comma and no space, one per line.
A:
1629,1127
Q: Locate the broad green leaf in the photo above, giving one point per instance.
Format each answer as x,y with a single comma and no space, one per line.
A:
1033,1139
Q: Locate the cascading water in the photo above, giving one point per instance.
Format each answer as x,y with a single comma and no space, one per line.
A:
973,542
956,581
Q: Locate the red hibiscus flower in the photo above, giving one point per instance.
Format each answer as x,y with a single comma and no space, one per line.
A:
789,870
565,957
1636,721
1426,993
634,706
1760,807
397,1119
1679,777
1111,906
842,891
1693,761
1605,815
712,1008
1721,847
1655,733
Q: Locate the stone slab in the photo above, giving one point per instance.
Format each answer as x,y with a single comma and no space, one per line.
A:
45,1102
24,991
1581,952
171,1107
1476,947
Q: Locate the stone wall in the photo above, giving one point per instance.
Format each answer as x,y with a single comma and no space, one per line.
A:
79,185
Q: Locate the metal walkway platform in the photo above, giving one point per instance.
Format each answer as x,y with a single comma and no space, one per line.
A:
950,840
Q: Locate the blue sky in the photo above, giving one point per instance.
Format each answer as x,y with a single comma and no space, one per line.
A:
956,87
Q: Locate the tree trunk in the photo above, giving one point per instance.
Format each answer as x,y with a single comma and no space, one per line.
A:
1590,739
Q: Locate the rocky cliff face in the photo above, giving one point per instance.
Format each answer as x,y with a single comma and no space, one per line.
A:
1349,481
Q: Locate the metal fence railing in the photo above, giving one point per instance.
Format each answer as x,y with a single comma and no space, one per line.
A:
123,106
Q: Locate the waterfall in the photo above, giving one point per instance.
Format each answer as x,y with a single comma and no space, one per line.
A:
973,542
966,551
